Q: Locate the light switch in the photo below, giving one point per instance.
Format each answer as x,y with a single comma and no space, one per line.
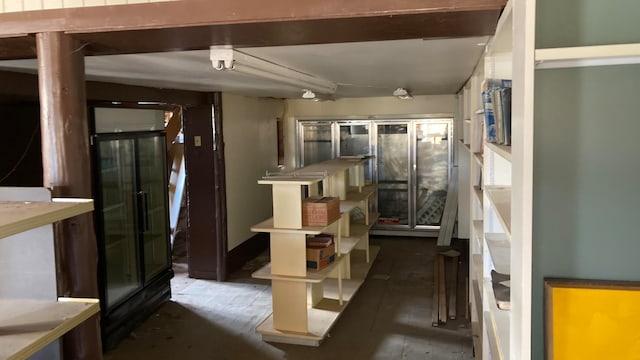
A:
197,140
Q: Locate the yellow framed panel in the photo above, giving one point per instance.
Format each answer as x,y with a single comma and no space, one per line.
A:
592,319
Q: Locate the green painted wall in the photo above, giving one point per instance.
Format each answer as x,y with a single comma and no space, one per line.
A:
586,211
561,23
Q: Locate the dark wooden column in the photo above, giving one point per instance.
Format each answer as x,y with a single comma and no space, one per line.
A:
206,238
67,172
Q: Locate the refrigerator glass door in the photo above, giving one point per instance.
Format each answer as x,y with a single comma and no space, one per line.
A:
392,162
118,198
317,143
152,197
354,140
433,154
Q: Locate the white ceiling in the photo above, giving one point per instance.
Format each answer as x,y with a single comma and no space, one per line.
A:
362,69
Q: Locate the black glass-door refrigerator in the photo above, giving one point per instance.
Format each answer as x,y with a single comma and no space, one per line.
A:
131,217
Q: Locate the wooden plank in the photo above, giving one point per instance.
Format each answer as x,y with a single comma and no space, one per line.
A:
453,290
442,291
17,216
267,226
436,290
502,150
450,211
500,250
311,276
29,325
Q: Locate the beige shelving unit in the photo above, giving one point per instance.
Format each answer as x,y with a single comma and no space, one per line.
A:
31,315
306,303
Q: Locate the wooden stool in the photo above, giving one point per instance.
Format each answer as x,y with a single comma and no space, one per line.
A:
442,286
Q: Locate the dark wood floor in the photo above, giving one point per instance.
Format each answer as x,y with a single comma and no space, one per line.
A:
390,317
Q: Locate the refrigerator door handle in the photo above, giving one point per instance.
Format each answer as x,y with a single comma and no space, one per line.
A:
143,203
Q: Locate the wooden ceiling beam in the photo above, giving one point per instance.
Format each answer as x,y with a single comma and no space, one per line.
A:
197,24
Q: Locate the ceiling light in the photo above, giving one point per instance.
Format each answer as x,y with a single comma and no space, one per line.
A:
308,94
226,58
402,93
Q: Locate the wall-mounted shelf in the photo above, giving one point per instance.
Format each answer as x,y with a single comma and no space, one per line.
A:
502,150
500,198
582,56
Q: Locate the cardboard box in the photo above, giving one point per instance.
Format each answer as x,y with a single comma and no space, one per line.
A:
318,259
320,211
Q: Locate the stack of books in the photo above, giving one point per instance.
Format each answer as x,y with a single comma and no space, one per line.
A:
496,102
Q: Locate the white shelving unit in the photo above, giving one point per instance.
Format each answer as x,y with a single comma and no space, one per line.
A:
306,303
490,202
31,314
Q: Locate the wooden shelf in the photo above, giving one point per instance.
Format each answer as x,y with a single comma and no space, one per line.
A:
500,250
502,150
17,216
466,146
478,192
324,315
477,297
313,276
479,158
26,326
581,56
476,334
267,226
501,42
479,111
355,196
497,323
500,198
478,233
477,267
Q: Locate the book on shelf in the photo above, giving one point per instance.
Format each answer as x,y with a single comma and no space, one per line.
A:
501,284
497,110
319,241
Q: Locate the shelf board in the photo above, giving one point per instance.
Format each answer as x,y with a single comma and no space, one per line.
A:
479,158
500,250
291,180
323,316
478,192
476,334
479,111
26,326
313,276
581,56
498,323
502,150
478,233
477,297
501,42
466,146
267,226
500,198
468,121
477,266
358,196
19,216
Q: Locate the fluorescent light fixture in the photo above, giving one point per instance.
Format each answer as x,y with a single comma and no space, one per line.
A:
402,93
227,59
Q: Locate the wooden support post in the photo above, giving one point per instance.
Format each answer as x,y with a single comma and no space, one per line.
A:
67,172
442,290
434,313
453,289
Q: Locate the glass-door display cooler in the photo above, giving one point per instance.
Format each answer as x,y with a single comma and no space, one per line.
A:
410,161
131,201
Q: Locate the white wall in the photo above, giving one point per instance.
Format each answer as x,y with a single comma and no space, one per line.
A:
250,149
428,104
28,5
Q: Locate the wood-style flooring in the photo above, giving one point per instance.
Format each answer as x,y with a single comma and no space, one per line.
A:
389,318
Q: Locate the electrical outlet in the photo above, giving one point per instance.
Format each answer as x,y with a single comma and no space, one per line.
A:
197,140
